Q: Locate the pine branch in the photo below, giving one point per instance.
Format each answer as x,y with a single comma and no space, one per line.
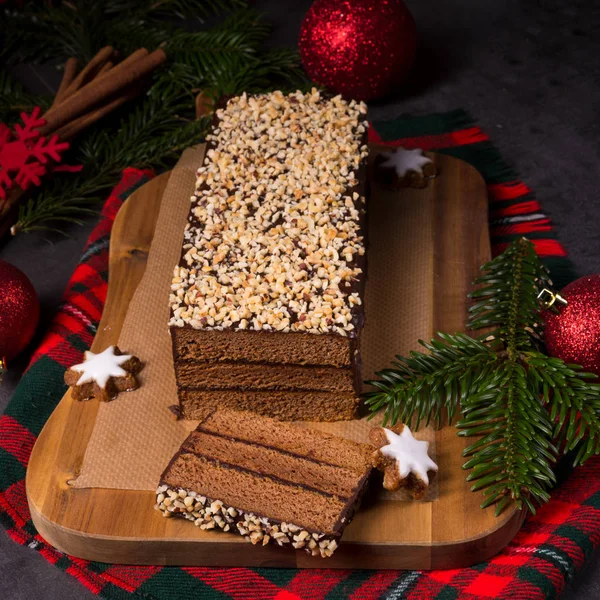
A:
151,135
279,69
14,99
159,9
40,31
506,297
431,386
228,58
513,457
523,407
128,35
573,399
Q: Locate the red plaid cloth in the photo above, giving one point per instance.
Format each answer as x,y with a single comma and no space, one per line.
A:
550,548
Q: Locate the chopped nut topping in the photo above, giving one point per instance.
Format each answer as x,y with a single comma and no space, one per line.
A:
256,530
274,232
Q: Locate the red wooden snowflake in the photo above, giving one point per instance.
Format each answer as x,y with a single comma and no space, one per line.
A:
24,153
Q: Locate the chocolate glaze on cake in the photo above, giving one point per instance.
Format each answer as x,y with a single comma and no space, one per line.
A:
271,482
273,266
276,225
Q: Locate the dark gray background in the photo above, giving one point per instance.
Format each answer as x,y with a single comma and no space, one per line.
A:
528,71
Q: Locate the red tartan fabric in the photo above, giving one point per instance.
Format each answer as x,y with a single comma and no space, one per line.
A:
550,548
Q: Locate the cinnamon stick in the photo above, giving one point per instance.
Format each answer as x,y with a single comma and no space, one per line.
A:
132,58
101,88
88,71
66,132
84,99
140,53
107,67
68,77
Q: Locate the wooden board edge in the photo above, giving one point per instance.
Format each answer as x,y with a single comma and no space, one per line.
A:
189,552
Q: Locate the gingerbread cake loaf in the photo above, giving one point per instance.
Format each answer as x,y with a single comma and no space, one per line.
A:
268,481
268,293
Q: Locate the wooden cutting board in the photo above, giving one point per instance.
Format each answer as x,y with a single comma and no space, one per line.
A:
121,526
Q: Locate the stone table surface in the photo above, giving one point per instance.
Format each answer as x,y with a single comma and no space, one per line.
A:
527,70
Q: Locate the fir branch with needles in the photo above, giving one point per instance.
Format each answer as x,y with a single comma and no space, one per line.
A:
227,58
147,136
14,99
40,31
525,409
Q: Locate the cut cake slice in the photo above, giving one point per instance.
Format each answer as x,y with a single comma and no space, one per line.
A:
268,481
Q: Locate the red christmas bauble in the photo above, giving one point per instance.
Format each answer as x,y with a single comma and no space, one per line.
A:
359,48
573,333
19,310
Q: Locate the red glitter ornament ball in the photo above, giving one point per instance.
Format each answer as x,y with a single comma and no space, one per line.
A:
359,48
19,310
573,333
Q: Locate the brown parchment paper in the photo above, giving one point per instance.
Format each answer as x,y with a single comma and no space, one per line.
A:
135,436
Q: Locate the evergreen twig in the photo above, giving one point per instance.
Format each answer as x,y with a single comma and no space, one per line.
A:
41,31
228,58
14,99
431,386
146,137
523,407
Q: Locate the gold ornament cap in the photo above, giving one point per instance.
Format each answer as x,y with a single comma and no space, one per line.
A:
548,299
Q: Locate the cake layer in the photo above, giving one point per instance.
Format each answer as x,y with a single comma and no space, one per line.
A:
263,346
255,493
254,376
269,481
291,438
267,460
286,406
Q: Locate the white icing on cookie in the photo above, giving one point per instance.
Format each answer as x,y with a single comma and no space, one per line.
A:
101,367
403,161
409,453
